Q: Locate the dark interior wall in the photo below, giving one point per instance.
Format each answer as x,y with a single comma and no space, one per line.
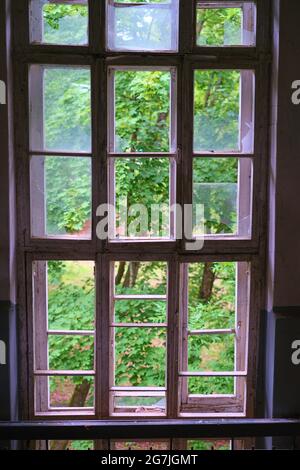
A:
8,311
282,317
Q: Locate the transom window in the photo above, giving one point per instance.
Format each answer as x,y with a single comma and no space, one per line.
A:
139,113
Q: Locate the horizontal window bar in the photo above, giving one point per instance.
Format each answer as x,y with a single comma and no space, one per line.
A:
213,374
138,389
140,297
161,6
138,325
142,155
71,333
62,373
139,394
49,153
223,155
212,332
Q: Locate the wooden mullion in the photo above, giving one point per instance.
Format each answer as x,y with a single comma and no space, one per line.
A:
183,336
172,340
40,325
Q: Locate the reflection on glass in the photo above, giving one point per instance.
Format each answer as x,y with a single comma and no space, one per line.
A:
60,108
151,25
227,26
217,110
215,186
61,201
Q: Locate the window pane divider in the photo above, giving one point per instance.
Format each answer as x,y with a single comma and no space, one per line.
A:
71,332
57,153
213,374
142,154
139,325
62,373
137,389
147,393
154,6
223,154
230,331
140,297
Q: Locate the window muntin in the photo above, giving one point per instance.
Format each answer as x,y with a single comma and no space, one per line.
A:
225,23
57,22
150,25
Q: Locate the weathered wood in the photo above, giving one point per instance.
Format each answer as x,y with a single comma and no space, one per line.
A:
131,429
217,248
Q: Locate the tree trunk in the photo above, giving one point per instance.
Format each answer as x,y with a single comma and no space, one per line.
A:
131,274
120,273
207,282
78,400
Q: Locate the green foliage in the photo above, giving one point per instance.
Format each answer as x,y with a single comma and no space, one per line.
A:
219,26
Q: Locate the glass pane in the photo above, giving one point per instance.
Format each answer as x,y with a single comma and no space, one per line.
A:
224,25
211,385
211,353
152,25
61,200
60,108
222,186
217,110
212,296
134,278
59,23
71,445
208,444
71,392
135,402
71,295
223,111
142,111
140,357
140,445
140,311
71,352
142,198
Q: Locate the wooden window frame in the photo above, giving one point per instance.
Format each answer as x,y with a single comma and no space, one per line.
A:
103,253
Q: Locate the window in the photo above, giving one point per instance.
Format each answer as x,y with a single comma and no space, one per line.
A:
127,136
